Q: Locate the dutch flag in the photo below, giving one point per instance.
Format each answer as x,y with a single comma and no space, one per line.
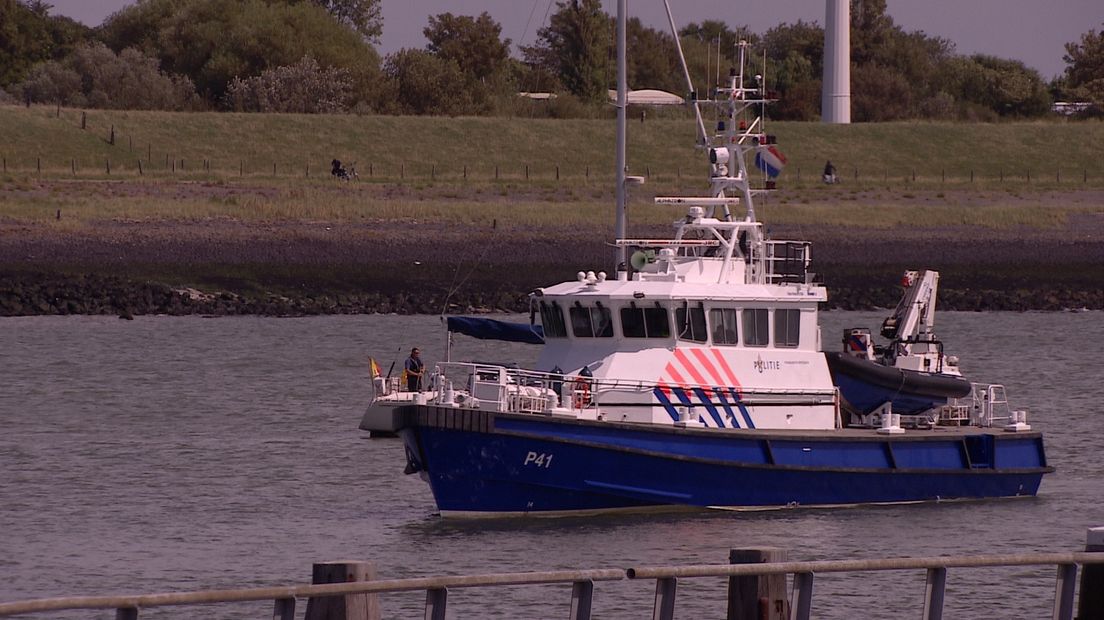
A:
770,160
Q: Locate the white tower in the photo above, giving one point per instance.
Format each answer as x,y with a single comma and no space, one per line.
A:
835,99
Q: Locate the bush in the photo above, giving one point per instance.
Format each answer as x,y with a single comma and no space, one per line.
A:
305,88
94,76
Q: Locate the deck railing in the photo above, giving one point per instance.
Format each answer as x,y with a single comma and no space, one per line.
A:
582,581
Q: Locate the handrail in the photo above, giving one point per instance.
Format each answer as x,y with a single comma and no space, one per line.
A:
843,566
664,576
304,591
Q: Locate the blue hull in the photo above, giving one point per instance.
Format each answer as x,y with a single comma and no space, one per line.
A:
490,463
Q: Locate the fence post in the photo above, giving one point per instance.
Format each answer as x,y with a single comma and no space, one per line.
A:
756,597
241,167
402,170
84,120
284,609
109,165
113,135
933,593
557,172
1063,592
73,166
526,172
582,593
436,599
664,608
1091,604
496,172
140,172
126,613
38,166
433,172
465,171
803,596
343,607
1058,176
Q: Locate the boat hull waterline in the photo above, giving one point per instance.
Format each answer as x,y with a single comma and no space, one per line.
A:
495,464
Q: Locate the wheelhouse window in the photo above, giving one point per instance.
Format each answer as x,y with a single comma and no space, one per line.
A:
552,319
651,322
723,323
591,321
690,323
756,327
787,328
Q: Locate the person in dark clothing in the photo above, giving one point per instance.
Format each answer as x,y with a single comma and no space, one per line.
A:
830,173
338,171
415,370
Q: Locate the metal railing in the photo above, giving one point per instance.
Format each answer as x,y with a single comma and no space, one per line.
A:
582,581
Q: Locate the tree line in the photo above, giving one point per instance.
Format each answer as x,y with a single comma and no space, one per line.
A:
319,56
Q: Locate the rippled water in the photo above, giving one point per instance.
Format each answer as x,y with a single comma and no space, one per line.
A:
166,454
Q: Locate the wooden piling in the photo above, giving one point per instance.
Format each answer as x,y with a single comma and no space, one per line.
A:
349,606
756,597
1091,604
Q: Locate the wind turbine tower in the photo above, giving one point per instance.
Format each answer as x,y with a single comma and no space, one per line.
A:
835,99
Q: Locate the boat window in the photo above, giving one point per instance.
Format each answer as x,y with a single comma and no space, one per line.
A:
723,322
691,324
787,328
756,327
591,321
580,322
602,319
645,322
657,322
552,320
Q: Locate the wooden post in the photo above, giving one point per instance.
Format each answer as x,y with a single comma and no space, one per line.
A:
526,172
664,607
647,172
496,172
308,170
174,165
588,172
38,166
1058,176
5,163
284,609
943,175
557,172
971,175
273,168
402,170
465,171
140,173
241,167
109,165
436,600
149,151
756,597
347,607
58,115
1002,175
73,166
1091,604
433,171
113,135
370,170
84,120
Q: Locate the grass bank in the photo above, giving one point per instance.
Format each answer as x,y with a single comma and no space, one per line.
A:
204,146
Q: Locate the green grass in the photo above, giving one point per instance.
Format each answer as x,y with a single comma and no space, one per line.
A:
1055,154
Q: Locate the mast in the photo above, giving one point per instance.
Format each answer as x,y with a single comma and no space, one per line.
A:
622,102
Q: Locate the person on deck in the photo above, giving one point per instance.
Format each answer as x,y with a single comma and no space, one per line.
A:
415,369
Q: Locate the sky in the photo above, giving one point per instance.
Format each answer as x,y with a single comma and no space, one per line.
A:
1033,31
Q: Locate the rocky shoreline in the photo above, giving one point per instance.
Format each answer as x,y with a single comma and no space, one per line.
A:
36,294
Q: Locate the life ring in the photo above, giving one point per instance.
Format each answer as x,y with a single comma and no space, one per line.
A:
580,393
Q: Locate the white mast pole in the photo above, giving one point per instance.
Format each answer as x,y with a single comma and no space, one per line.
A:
622,103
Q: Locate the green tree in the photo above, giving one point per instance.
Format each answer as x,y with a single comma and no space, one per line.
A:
214,41
423,83
651,58
302,88
1084,76
361,15
96,77
576,45
30,35
475,44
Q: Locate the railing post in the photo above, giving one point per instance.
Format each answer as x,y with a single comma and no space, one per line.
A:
436,598
1063,591
756,597
802,605
1091,604
343,607
664,608
933,593
284,609
582,593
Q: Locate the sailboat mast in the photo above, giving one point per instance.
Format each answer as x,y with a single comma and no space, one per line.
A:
622,103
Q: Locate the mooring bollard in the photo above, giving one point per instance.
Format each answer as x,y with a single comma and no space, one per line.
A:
343,607
757,597
1091,604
